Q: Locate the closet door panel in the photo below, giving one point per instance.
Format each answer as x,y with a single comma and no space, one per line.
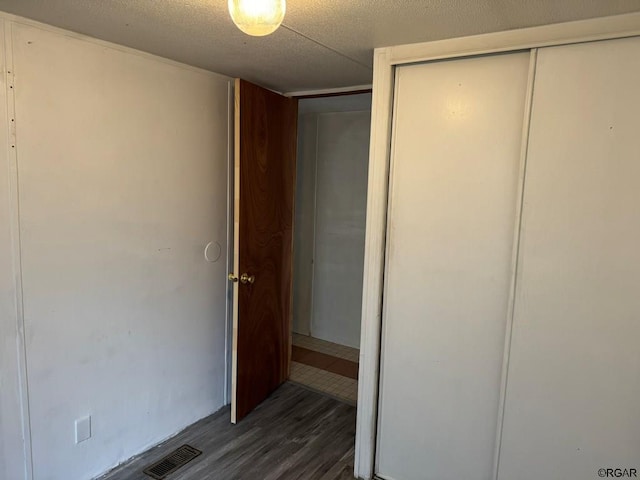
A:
573,394
453,201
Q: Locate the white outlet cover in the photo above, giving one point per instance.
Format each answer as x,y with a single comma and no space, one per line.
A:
83,429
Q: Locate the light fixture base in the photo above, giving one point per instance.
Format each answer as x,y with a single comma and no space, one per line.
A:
257,17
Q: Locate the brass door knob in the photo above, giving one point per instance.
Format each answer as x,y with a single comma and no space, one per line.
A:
233,277
246,278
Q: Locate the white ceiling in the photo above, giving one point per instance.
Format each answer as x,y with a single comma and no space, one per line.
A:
324,43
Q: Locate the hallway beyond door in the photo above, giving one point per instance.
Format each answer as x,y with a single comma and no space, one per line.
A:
324,366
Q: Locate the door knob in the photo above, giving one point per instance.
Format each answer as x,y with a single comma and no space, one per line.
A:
246,278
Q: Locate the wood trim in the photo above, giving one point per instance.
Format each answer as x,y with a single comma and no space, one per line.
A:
385,62
337,94
325,362
329,92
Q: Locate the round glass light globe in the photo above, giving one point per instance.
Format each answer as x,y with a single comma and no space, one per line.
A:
257,17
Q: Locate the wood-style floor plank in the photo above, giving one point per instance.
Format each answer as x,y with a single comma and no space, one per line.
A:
296,434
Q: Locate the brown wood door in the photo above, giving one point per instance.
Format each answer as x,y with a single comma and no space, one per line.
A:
265,163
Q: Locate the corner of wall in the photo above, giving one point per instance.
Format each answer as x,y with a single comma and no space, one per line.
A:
15,451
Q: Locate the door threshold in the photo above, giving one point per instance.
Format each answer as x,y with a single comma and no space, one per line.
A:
321,392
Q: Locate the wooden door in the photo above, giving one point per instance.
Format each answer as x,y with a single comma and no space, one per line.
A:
265,157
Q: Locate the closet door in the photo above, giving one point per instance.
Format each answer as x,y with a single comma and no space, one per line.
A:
573,394
453,200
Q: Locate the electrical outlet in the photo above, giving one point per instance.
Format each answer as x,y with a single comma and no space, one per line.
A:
83,429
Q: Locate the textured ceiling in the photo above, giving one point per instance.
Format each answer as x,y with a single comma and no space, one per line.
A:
324,43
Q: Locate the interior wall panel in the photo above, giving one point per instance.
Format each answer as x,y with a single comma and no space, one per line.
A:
331,193
304,225
341,204
122,162
12,447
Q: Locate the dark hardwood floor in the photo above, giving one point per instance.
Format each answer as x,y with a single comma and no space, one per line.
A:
294,434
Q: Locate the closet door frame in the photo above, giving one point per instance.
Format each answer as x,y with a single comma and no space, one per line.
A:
386,60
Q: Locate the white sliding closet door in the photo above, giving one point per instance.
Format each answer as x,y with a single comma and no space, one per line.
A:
573,395
453,201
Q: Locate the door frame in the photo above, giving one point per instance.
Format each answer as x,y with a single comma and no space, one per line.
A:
318,94
231,188
228,333
386,60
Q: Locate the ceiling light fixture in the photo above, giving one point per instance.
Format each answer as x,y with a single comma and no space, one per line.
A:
257,17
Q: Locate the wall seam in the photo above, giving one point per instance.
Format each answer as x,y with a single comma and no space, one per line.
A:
517,243
12,156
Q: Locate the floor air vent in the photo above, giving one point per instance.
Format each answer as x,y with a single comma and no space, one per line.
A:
172,462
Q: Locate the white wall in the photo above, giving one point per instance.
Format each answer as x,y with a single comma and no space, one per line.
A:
333,150
341,201
122,167
12,447
304,222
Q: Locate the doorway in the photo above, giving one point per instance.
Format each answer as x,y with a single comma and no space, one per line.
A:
329,235
302,251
